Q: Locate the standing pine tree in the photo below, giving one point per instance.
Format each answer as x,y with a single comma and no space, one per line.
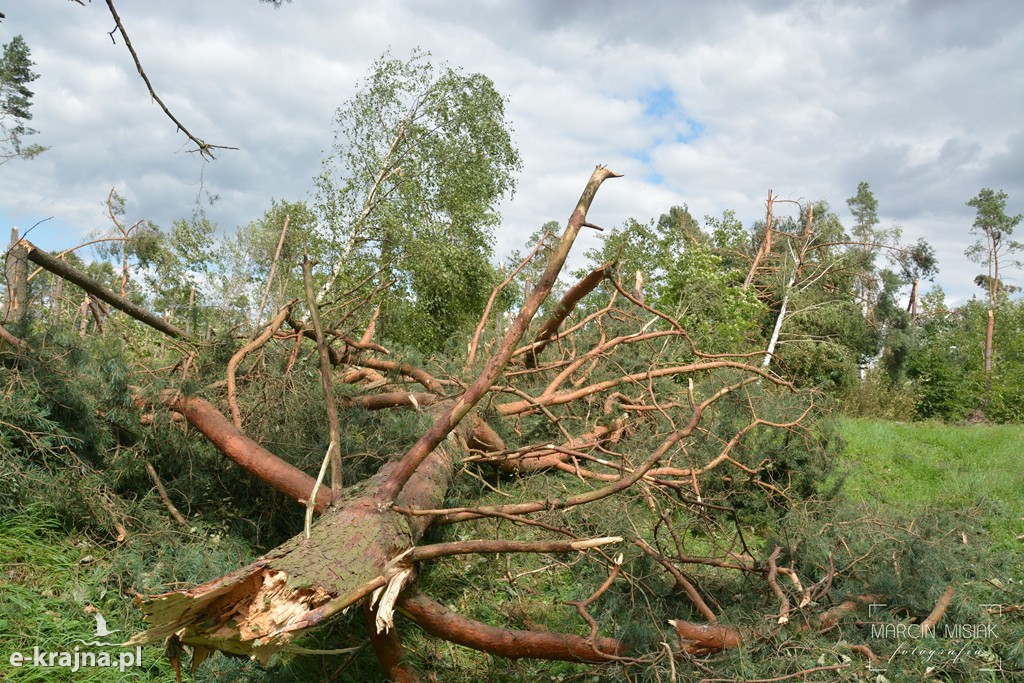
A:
996,228
16,101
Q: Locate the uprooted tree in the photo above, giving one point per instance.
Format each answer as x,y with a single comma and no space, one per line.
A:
608,435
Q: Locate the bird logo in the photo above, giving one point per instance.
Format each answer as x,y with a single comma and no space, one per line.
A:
102,630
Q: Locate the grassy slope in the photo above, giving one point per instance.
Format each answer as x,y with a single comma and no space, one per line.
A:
916,465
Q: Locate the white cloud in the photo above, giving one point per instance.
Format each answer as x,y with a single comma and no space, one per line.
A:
920,98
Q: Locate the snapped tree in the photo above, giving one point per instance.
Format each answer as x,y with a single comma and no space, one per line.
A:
621,442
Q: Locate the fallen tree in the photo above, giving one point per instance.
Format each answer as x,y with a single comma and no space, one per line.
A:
609,399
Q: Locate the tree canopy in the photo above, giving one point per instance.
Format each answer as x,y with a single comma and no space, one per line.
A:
16,102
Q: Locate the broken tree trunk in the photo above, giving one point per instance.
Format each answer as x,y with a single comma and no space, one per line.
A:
66,271
361,543
17,280
259,609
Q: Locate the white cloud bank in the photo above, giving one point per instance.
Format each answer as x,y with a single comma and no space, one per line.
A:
703,103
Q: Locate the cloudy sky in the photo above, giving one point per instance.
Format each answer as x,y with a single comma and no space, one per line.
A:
704,103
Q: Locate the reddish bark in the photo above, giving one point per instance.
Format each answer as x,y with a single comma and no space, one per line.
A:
563,397
66,271
549,329
245,452
444,425
388,648
704,638
438,620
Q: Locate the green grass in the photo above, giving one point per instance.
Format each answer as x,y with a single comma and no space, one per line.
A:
914,466
47,579
967,480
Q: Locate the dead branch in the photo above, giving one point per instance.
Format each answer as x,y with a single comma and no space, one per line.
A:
691,591
447,422
705,638
460,514
535,458
245,452
773,572
387,645
66,271
831,617
471,356
393,399
581,605
10,338
940,609
562,397
865,651
163,494
367,337
568,302
600,350
88,243
596,315
205,149
765,246
435,550
255,344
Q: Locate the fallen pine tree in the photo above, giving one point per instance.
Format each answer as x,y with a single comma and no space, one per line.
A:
628,408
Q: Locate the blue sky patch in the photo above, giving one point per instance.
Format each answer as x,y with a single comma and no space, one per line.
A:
661,106
660,103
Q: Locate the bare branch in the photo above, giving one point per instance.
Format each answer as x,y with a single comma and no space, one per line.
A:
204,148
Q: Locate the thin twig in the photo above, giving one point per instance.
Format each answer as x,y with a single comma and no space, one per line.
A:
163,494
273,266
773,571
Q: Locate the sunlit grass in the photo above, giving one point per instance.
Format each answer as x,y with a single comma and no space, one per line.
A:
913,466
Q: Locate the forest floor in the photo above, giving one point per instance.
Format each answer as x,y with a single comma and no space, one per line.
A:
49,575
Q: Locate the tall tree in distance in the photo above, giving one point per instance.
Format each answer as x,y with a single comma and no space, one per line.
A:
869,238
16,101
864,208
992,249
423,154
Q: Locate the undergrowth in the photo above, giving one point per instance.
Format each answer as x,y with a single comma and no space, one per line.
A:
910,510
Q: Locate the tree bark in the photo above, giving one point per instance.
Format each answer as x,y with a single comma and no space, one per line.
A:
17,280
438,620
245,452
66,271
259,609
496,365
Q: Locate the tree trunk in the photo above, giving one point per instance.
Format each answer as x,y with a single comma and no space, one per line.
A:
64,270
259,609
17,280
989,333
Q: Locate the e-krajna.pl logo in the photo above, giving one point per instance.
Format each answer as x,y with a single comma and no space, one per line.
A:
78,658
